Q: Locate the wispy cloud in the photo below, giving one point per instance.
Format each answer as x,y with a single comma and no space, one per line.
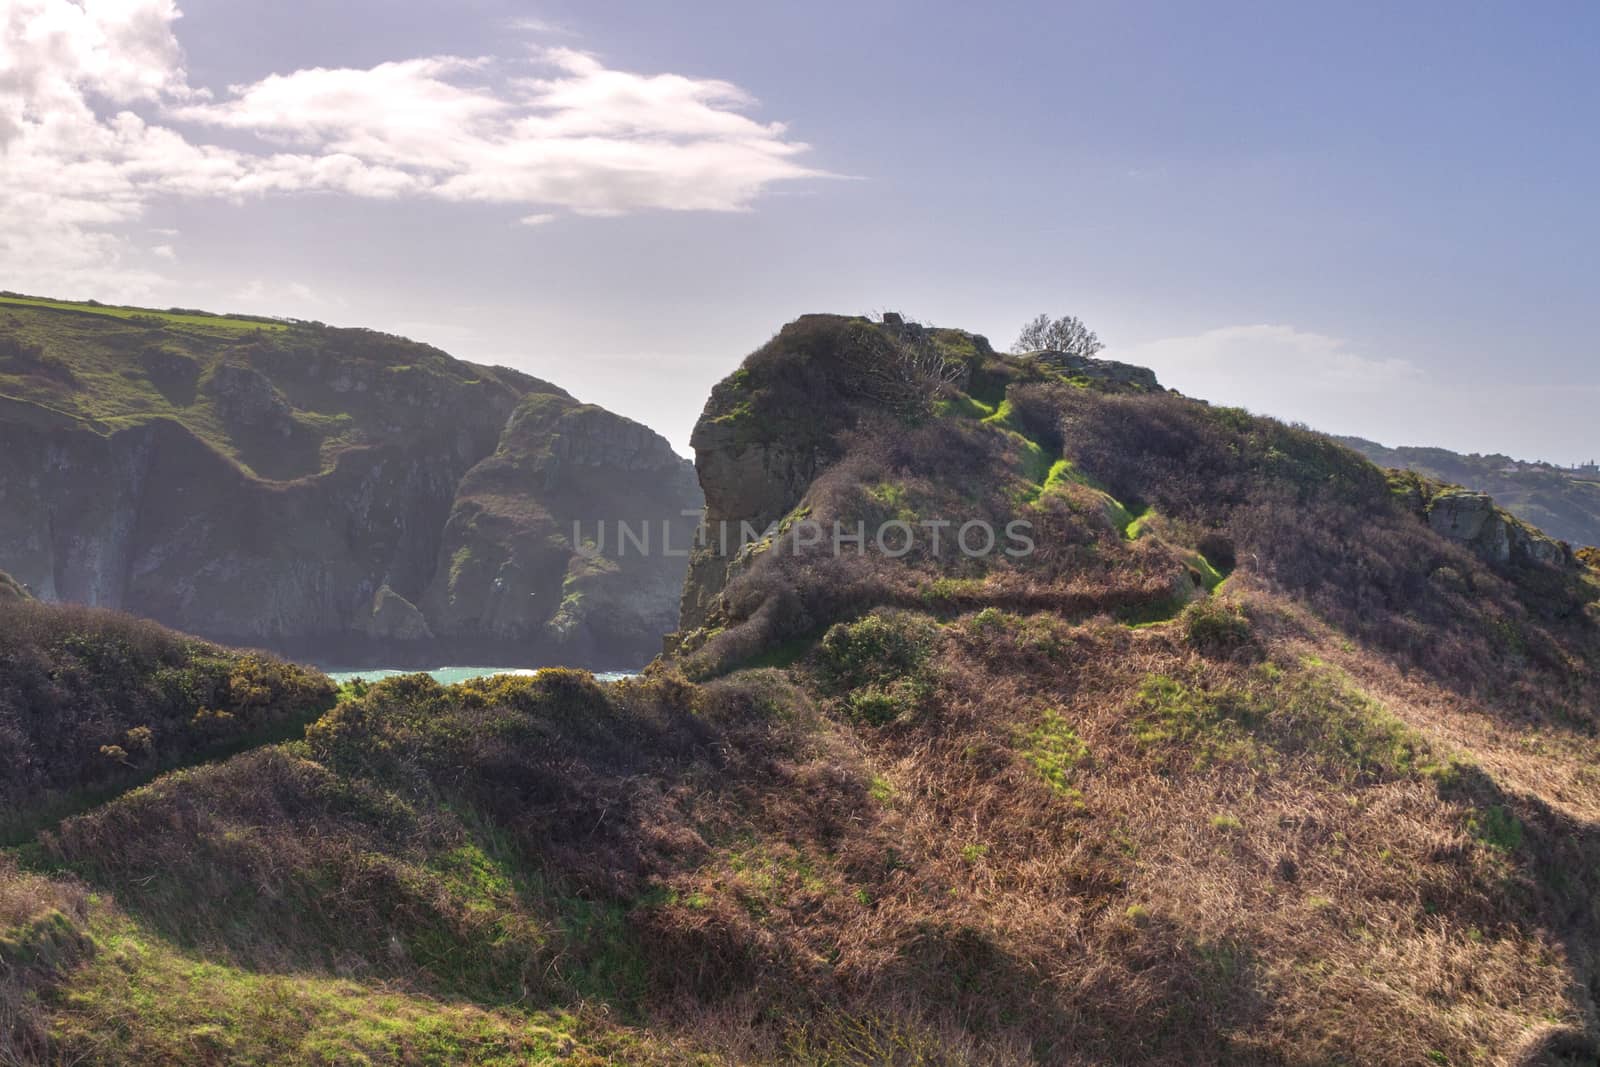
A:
1284,371
98,118
270,297
1267,361
542,27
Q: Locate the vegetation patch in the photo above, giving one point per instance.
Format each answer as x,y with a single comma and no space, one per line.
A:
879,664
1218,627
1309,712
93,702
179,317
142,1000
1052,745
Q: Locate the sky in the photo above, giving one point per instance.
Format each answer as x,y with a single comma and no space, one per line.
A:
1378,219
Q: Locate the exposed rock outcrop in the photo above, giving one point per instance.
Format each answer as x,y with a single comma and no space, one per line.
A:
1473,519
1565,504
1102,370
394,618
592,558
339,495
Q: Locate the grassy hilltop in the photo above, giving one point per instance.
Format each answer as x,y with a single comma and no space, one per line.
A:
1253,760
281,399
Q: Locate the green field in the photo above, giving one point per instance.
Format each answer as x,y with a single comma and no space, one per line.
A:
235,323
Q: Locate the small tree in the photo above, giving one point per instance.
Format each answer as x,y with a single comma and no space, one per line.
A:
1067,334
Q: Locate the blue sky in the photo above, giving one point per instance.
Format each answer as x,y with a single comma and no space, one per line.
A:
1378,219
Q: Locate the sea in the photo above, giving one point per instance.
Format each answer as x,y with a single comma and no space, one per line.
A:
452,675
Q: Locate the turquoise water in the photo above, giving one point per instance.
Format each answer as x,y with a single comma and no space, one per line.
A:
452,675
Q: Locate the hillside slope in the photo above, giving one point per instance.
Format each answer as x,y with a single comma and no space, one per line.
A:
1564,505
93,701
1259,756
312,490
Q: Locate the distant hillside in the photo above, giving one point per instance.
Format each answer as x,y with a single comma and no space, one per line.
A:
334,493
1564,504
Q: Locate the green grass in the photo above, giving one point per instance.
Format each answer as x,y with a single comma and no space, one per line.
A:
1063,472
140,999
1054,749
1135,527
1210,578
1034,462
229,323
298,396
1496,827
1310,712
784,654
963,406
1003,416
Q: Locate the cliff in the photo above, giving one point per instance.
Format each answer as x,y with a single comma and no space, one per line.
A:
309,489
11,589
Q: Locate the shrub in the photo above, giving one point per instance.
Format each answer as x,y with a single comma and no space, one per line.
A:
1218,627
881,647
879,664
93,701
1066,334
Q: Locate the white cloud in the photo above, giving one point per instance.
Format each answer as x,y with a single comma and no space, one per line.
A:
97,119
540,26
537,219
270,297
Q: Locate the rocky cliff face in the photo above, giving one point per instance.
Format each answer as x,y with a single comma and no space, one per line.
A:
1473,519
567,474
328,493
11,589
1564,504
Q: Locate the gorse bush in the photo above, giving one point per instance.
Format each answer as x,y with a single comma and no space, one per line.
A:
882,646
879,664
91,700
